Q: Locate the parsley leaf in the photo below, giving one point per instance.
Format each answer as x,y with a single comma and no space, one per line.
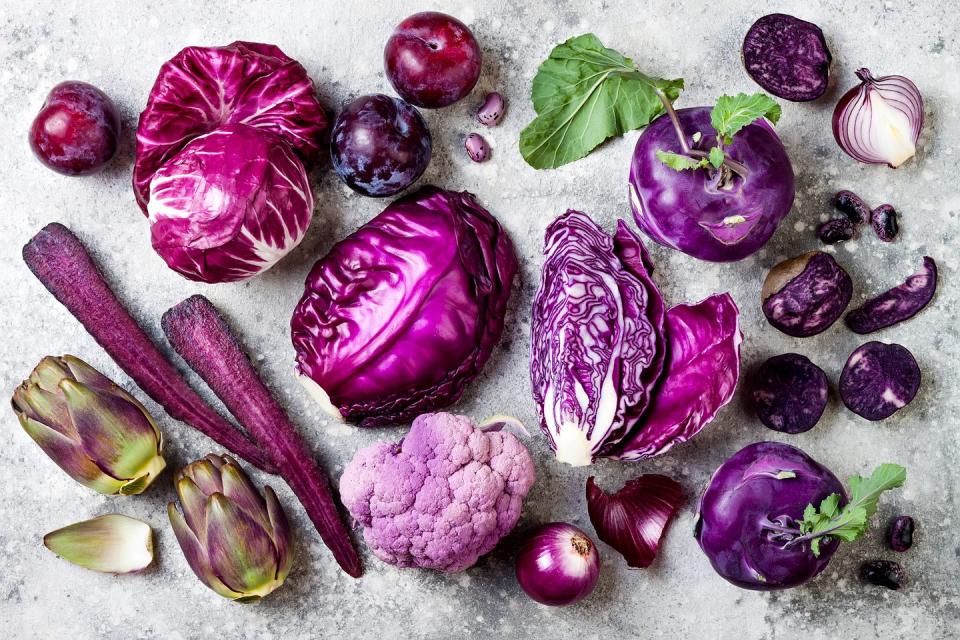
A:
680,162
731,114
850,522
583,94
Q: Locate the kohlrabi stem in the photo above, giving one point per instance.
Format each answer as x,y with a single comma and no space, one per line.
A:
731,164
675,121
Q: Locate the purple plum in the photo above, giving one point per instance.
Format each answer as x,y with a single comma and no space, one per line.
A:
380,145
77,131
432,60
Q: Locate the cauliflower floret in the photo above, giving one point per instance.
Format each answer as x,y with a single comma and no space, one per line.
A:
440,498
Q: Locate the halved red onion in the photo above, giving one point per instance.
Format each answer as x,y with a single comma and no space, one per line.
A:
633,519
879,121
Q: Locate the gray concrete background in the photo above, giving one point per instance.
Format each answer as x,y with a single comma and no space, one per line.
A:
120,48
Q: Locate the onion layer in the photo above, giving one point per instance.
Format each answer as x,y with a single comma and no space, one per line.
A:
879,121
633,519
558,565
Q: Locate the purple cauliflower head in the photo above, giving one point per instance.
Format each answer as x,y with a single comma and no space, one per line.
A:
441,497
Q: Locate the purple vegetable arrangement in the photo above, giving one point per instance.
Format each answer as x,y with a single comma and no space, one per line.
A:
614,374
399,317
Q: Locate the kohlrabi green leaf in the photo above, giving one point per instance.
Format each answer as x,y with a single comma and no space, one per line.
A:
850,522
716,157
732,113
111,543
679,162
583,94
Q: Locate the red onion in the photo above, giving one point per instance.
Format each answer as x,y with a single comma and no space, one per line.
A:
558,565
879,121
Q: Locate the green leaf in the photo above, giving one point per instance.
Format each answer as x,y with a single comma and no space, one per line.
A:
585,93
111,543
850,522
679,162
734,113
716,159
828,506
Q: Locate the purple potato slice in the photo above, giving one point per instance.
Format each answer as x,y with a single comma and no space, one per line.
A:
790,393
879,379
788,57
897,304
803,296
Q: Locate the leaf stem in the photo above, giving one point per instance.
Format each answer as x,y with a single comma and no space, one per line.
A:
730,163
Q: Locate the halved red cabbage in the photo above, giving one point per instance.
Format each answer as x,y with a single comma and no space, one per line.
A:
203,88
897,304
633,519
702,370
596,345
879,379
613,375
229,205
398,317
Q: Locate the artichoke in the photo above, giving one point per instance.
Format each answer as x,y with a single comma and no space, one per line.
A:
237,542
94,430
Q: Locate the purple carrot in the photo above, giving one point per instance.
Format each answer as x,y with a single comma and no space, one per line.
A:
200,335
61,262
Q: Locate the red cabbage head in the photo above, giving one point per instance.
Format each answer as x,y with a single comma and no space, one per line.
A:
401,315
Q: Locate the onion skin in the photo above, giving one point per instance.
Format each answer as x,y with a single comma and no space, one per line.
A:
558,565
879,121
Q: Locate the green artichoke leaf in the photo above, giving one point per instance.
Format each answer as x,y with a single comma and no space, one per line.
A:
111,543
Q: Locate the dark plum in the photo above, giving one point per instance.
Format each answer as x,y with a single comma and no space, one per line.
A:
836,230
380,145
879,379
883,573
77,130
788,57
900,533
432,59
897,304
790,393
884,221
803,296
852,206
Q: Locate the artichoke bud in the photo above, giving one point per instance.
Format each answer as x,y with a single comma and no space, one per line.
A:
99,434
236,540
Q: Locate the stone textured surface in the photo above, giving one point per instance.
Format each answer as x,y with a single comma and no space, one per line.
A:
340,43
